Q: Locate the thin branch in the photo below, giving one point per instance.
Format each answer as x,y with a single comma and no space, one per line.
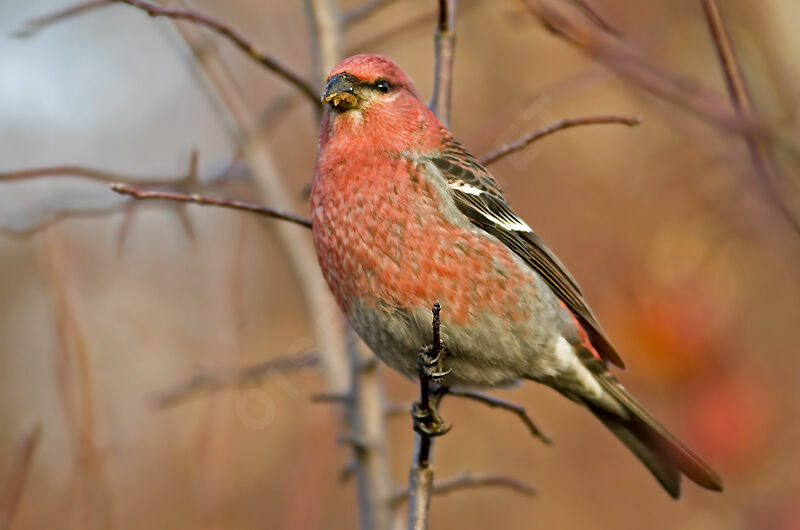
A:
331,398
420,481
235,37
524,141
493,402
137,193
357,14
97,175
467,481
17,477
444,49
34,25
190,15
369,42
758,148
213,381
592,14
618,55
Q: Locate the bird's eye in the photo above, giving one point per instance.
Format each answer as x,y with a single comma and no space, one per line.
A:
383,86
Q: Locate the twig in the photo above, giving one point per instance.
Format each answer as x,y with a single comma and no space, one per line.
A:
326,26
499,403
361,12
331,398
137,193
759,150
98,175
190,15
17,477
220,379
595,17
444,49
560,125
235,37
34,25
467,481
363,414
618,55
90,497
421,474
371,41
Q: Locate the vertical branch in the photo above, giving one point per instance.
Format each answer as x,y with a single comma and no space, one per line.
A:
89,498
17,476
421,474
299,252
326,29
757,146
444,49
364,417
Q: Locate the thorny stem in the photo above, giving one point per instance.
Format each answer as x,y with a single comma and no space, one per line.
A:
137,193
560,125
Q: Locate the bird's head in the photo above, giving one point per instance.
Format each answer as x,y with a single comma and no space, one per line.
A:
361,82
370,96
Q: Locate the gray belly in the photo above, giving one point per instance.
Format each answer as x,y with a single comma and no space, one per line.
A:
490,351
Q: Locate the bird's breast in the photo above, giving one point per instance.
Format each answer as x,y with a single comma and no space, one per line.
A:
383,239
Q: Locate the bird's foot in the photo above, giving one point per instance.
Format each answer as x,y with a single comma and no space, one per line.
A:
427,420
431,363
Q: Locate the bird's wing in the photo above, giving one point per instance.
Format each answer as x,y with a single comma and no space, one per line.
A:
478,196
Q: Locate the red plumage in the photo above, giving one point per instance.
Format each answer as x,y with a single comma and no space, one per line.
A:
402,216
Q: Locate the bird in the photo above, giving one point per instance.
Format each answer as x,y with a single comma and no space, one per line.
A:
402,216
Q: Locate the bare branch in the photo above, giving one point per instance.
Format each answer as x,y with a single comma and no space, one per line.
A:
444,48
137,193
98,175
190,15
331,398
560,125
595,17
17,477
427,424
760,153
34,25
235,37
499,403
357,14
467,481
216,380
618,55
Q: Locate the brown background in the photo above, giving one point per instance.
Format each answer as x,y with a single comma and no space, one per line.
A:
692,272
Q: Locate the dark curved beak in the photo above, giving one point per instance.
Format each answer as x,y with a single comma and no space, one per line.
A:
340,92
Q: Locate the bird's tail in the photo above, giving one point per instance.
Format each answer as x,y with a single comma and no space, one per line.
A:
665,456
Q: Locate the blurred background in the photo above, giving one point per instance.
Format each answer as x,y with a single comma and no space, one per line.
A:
105,305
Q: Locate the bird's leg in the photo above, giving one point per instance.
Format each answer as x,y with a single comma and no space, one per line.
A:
425,414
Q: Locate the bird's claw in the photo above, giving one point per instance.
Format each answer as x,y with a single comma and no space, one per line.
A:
428,422
431,364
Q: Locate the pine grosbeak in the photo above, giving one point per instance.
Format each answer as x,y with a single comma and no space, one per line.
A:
402,216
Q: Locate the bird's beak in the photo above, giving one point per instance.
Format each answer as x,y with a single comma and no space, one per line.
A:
340,92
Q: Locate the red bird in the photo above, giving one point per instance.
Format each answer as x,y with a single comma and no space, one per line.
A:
402,216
